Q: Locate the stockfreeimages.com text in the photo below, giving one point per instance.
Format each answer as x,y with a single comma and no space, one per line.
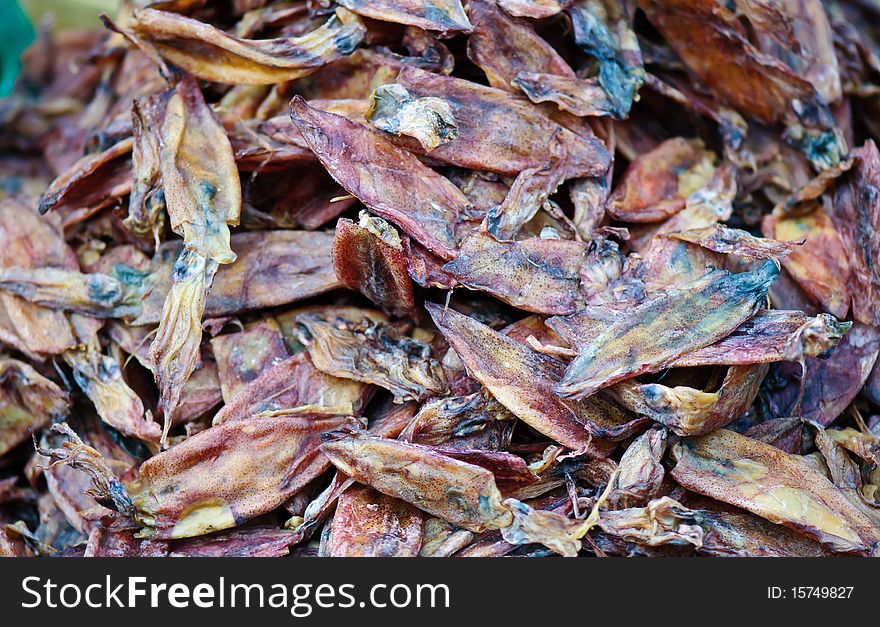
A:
300,599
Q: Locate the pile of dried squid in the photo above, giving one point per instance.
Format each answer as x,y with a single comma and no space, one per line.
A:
443,278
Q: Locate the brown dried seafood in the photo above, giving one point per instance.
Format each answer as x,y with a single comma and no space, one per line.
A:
444,277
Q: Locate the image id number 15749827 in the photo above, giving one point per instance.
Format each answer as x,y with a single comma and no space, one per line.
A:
810,592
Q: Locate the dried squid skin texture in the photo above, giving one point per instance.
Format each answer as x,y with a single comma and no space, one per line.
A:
657,184
213,55
227,474
775,485
446,16
662,521
831,384
203,195
242,357
558,533
199,175
522,380
641,471
294,383
742,534
579,97
222,223
146,201
374,352
174,351
456,491
655,334
688,411
91,183
368,523
500,133
529,193
463,422
247,542
822,266
29,241
100,378
99,295
28,401
535,9
504,47
856,215
534,274
429,120
374,263
389,180
772,335
723,239
715,50
273,268
603,29
106,543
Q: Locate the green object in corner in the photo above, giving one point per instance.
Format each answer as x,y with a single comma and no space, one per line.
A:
16,33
